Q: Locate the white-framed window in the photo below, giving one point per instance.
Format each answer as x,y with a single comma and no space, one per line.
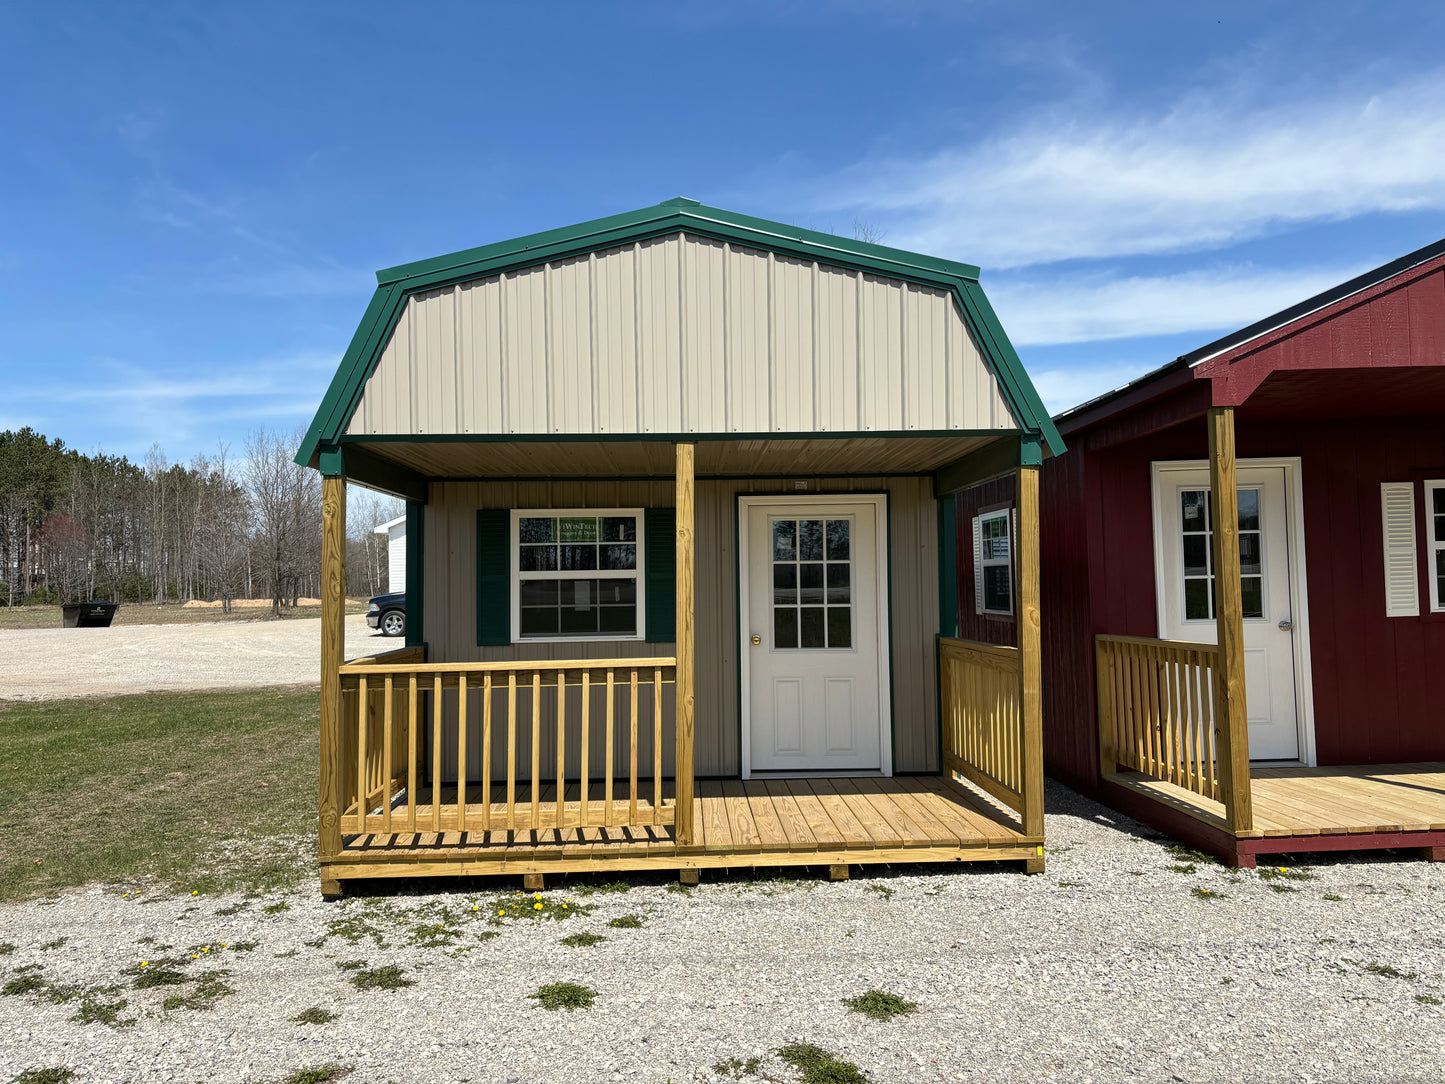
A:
1435,535
577,574
993,591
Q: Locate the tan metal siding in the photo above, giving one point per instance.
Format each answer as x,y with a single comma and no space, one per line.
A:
680,334
450,606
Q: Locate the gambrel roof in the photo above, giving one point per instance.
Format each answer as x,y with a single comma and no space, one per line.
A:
504,341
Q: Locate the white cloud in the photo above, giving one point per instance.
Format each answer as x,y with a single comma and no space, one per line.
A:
1064,388
1207,172
1087,308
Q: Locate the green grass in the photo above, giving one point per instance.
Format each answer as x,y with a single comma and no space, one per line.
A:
57,1075
313,1015
1189,854
159,784
820,1067
1426,999
737,1067
628,922
1207,894
880,1005
583,940
565,995
319,1075
389,977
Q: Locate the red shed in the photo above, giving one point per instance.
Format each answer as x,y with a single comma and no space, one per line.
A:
1297,706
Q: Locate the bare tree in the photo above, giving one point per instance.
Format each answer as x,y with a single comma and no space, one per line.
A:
286,515
866,231
223,529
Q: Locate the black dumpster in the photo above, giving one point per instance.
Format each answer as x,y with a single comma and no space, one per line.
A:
89,615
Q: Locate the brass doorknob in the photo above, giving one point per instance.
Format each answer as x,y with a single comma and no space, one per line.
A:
757,640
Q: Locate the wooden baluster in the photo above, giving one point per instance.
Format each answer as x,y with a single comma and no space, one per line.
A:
586,819
1181,672
657,745
511,750
536,748
632,785
1206,721
462,751
411,732
361,780
561,741
487,751
386,769
611,711
436,754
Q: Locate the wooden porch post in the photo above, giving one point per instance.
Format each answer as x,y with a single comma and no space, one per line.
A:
333,640
1231,712
1030,651
682,823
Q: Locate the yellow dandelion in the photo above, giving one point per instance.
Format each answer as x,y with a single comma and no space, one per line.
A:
565,906
145,963
194,956
536,906
502,913
206,948
195,892
1283,870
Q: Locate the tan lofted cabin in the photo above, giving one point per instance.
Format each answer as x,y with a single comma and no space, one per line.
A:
681,593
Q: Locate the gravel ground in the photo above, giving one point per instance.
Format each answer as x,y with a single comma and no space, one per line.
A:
45,664
1112,966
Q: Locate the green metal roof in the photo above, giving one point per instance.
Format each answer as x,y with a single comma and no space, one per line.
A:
396,284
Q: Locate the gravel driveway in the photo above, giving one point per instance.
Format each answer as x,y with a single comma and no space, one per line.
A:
44,664
1120,963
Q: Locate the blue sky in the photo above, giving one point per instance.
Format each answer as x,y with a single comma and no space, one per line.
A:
194,198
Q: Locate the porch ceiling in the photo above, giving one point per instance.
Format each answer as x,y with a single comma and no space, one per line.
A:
1349,393
656,459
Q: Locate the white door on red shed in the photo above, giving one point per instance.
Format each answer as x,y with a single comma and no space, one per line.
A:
1184,566
814,638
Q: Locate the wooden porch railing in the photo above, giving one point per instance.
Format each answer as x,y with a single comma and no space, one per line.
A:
392,704
1157,710
984,737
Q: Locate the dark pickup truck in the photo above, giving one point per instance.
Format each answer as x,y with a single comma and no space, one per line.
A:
388,613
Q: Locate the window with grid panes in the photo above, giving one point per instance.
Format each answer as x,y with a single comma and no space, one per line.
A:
1197,536
812,584
577,574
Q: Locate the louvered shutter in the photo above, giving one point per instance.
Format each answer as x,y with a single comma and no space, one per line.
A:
494,577
659,529
1402,585
978,564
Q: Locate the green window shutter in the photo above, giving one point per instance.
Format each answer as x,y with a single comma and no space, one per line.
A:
660,554
494,577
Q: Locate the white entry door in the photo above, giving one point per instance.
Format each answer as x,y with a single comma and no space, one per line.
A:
814,639
1186,590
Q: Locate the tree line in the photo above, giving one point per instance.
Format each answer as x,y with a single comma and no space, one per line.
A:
219,528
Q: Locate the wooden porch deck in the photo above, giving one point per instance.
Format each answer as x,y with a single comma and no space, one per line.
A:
772,822
1299,809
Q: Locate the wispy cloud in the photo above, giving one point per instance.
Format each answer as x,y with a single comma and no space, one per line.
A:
1211,170
1064,388
1091,307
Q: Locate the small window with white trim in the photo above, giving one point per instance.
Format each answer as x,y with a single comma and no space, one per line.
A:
1435,533
993,562
576,574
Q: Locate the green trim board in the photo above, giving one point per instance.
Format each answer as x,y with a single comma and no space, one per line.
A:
397,284
415,572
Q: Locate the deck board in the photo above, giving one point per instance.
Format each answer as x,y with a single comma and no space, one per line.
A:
1292,801
759,822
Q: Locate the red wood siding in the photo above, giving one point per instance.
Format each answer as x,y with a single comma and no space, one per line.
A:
1397,323
1371,697
986,628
